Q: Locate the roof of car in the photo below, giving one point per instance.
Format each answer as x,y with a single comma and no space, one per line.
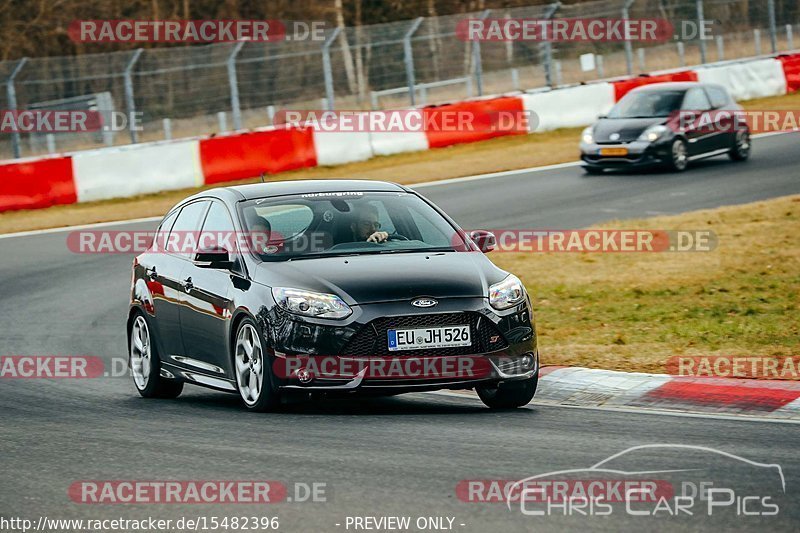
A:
670,86
236,193
280,188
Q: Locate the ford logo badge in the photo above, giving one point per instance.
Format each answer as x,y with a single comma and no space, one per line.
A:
614,136
424,302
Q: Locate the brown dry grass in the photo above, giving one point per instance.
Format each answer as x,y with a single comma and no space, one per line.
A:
631,311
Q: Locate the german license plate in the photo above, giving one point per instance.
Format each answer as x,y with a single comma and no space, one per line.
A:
613,151
442,337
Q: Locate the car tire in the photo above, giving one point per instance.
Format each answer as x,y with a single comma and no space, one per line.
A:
253,369
145,364
679,155
509,395
594,171
741,146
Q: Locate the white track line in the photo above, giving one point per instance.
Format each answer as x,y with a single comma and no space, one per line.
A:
450,181
630,410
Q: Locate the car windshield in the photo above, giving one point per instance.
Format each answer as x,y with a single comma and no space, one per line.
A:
646,104
305,226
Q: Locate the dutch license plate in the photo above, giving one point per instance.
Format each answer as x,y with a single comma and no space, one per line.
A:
442,337
613,151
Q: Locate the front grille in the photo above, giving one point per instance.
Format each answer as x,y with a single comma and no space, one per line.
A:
372,338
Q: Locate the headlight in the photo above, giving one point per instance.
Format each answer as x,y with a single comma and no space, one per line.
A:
587,135
507,293
653,133
308,303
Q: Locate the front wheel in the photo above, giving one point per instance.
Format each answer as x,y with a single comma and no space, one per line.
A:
253,371
679,156
509,395
145,364
592,171
741,146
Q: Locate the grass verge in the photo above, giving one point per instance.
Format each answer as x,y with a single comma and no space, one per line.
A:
632,311
496,155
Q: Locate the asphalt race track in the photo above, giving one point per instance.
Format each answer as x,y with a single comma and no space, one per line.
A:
401,456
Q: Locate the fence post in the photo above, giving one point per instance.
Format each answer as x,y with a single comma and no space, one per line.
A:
130,104
476,58
236,111
757,41
681,54
547,46
789,37
222,121
640,53
773,32
167,124
12,104
326,66
628,44
408,59
701,41
720,48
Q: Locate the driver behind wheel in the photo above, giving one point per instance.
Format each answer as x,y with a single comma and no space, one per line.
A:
365,225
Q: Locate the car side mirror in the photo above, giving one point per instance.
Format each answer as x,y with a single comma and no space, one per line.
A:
601,116
214,257
485,240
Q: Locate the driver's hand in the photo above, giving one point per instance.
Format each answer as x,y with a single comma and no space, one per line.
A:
378,236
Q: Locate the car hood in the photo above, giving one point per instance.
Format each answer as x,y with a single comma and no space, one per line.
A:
628,129
382,278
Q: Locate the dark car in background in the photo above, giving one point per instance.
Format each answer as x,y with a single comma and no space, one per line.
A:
666,125
349,272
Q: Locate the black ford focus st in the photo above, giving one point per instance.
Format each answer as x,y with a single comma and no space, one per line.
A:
326,288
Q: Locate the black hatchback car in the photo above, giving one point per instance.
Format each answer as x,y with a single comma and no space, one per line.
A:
326,288
667,125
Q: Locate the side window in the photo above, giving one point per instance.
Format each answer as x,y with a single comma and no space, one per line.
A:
163,231
218,229
696,100
188,222
718,96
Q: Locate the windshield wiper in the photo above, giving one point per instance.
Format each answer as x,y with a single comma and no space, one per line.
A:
416,250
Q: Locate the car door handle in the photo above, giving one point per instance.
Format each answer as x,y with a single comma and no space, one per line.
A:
187,284
150,273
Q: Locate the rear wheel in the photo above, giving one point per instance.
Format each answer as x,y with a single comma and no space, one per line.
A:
145,364
741,146
510,394
679,156
253,371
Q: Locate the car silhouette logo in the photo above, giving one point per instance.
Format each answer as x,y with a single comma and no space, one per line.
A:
614,136
424,302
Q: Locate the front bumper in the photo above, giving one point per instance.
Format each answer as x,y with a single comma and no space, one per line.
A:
640,154
326,355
